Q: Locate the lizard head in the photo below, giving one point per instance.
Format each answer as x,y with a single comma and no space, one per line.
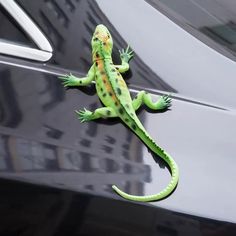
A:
101,43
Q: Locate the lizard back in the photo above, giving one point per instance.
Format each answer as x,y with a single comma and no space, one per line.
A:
111,87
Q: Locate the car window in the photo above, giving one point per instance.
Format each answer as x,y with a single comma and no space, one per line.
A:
21,37
10,31
212,21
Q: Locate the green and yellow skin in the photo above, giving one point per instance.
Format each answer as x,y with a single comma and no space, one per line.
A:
114,94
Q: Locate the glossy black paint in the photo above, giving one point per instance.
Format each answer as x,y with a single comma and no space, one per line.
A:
42,142
28,209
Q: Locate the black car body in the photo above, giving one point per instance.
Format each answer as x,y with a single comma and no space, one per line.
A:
56,173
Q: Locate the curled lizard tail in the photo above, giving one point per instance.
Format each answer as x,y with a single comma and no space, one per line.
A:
167,158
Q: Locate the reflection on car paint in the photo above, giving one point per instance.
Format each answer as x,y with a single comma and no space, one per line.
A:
62,153
24,157
208,138
60,24
49,211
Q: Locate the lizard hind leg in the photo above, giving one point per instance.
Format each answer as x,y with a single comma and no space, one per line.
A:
103,112
143,97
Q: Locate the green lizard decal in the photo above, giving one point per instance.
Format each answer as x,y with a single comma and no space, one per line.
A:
114,94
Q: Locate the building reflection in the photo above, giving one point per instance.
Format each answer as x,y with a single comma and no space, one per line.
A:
40,138
47,144
78,169
69,26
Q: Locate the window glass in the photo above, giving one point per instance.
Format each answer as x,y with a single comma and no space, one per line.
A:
10,31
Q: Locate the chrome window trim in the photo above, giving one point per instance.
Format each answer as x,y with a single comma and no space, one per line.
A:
23,51
44,52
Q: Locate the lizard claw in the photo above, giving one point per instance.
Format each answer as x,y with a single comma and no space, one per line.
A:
84,115
126,54
68,80
164,102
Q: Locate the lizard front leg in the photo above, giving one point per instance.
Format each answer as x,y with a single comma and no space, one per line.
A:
71,80
125,56
143,97
103,112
